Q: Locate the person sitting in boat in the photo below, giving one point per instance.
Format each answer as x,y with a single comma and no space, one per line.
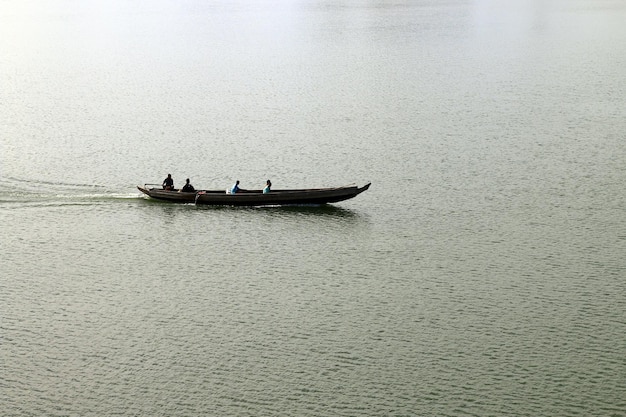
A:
188,188
168,183
235,188
268,185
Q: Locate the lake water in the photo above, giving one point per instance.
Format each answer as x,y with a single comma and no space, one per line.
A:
483,273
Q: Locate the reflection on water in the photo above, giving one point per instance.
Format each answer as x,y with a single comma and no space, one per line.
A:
309,210
320,216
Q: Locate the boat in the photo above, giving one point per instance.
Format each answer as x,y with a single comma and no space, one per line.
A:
305,196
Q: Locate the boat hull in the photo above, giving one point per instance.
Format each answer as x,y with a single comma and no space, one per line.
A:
315,196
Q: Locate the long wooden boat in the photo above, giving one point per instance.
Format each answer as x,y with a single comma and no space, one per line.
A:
306,196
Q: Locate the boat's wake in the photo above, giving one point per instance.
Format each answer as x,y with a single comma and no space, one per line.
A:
45,193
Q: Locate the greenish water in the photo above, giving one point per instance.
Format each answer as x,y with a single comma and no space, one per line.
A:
481,274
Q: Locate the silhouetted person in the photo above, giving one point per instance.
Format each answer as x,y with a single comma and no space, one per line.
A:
188,188
168,183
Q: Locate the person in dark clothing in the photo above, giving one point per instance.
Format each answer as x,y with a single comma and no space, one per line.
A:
168,183
188,188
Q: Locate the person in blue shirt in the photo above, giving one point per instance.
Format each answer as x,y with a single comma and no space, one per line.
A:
268,185
235,188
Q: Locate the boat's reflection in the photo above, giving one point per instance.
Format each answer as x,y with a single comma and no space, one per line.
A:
325,210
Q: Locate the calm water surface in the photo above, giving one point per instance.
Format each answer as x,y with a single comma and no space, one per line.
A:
482,273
